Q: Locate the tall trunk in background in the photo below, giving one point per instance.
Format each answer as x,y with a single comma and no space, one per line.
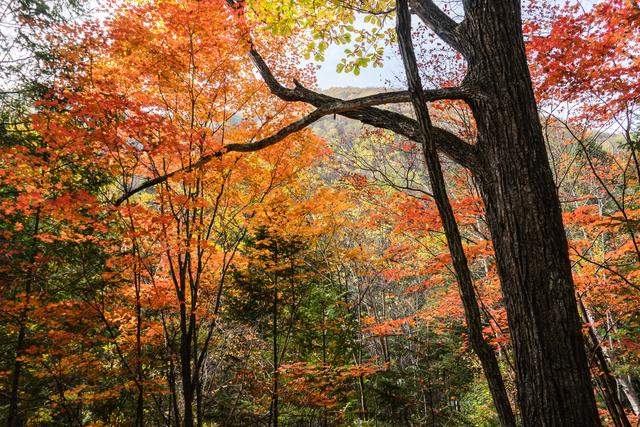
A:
363,412
139,371
473,319
197,383
324,356
173,396
185,365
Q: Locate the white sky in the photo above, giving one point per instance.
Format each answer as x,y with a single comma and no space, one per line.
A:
388,76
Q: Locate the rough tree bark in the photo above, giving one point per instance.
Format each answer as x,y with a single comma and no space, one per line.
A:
482,349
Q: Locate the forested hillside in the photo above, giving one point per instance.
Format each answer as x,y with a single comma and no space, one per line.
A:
192,234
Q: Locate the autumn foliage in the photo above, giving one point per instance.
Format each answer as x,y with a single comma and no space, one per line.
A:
157,267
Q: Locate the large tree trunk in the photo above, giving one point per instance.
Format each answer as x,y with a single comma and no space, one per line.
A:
524,217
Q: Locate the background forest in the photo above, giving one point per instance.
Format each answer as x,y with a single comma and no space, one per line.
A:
165,260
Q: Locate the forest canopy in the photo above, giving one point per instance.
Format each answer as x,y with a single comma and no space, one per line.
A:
192,232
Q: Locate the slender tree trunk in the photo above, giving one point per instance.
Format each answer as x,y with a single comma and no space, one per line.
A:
625,381
630,392
13,418
384,343
274,399
139,372
173,404
324,356
473,319
197,384
140,407
140,399
362,415
199,414
185,365
524,217
607,382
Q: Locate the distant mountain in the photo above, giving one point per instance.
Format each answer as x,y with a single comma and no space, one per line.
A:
338,128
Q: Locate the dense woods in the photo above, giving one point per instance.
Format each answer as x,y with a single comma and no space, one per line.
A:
193,233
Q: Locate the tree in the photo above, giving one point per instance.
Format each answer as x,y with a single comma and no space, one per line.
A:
110,111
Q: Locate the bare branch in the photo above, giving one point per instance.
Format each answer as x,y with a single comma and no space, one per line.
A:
361,109
302,94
